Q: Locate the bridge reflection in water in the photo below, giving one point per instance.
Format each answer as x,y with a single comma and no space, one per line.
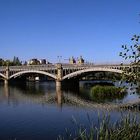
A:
47,93
59,96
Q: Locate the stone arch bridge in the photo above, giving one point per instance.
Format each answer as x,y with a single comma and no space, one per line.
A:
59,72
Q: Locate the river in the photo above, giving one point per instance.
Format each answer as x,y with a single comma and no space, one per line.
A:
40,111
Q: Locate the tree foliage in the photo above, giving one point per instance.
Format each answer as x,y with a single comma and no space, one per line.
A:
14,62
132,53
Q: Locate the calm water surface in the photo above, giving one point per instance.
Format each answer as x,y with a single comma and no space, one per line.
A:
40,111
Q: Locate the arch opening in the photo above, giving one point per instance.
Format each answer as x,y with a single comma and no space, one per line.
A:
2,77
32,75
82,73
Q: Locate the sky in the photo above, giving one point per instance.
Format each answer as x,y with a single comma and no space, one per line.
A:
59,29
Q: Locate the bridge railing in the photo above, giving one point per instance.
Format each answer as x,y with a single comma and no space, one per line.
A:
93,65
34,67
64,65
2,68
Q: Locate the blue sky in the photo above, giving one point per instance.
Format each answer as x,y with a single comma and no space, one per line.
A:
95,29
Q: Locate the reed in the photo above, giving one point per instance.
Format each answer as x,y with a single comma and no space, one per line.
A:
127,128
106,92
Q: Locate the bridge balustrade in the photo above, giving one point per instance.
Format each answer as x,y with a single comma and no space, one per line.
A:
65,70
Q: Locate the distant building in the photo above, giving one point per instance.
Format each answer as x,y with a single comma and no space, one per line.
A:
72,60
43,61
33,61
81,60
24,63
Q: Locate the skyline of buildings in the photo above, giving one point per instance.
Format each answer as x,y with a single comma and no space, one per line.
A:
36,61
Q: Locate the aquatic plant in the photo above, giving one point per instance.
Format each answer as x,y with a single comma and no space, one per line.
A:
127,128
106,92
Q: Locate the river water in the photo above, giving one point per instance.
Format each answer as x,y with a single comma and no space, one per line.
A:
40,111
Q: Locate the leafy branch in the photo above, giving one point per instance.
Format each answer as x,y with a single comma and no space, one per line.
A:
132,53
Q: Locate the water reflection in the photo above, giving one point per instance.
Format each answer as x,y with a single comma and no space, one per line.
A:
6,91
101,97
48,93
59,96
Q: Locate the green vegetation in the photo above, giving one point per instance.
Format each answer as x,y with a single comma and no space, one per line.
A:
132,54
14,62
102,92
106,92
127,128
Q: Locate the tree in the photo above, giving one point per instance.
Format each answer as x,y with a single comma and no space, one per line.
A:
16,61
1,62
132,53
8,63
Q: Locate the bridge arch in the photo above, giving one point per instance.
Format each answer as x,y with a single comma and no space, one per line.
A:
77,73
32,71
2,75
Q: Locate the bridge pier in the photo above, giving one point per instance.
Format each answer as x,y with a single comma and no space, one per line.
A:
7,75
59,75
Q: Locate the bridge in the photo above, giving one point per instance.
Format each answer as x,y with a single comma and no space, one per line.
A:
60,72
